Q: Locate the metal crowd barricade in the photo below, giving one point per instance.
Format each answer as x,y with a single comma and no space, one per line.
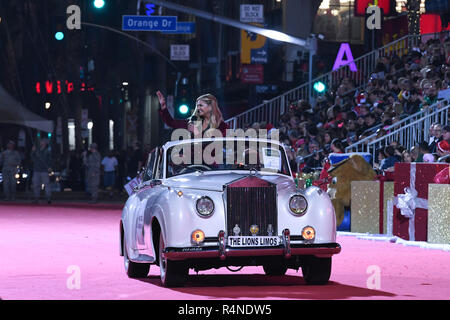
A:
413,132
361,145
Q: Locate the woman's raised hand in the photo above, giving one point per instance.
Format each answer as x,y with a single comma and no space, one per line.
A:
162,100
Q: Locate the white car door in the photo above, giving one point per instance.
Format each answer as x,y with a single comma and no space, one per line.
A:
145,195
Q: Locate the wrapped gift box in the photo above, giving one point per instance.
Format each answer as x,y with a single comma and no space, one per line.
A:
411,180
369,206
439,213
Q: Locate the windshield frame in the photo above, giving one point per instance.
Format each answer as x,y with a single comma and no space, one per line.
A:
269,144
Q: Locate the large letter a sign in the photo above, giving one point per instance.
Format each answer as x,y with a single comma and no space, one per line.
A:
345,50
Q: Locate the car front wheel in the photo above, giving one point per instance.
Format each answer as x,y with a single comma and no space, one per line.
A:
173,273
274,269
134,270
316,270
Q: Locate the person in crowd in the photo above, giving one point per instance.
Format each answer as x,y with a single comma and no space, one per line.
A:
406,156
327,139
430,96
431,134
446,133
93,162
361,123
436,138
443,150
42,166
414,153
121,180
423,149
412,105
336,146
75,169
390,159
135,160
398,153
84,155
315,161
109,164
206,115
10,159
369,120
294,136
380,157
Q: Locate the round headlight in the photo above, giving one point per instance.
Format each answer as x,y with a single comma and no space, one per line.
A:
205,206
298,204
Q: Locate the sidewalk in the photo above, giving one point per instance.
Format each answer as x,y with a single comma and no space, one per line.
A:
69,196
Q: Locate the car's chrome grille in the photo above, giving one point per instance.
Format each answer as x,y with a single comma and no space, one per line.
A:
247,206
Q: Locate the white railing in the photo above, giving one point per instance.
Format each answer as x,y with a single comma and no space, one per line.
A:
412,133
361,145
271,110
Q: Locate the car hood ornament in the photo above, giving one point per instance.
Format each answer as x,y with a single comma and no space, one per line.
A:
254,229
270,230
236,230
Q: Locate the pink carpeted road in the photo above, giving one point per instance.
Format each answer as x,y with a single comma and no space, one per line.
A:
44,247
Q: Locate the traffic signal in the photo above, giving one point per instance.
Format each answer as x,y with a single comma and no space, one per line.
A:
99,3
319,87
59,35
183,100
57,31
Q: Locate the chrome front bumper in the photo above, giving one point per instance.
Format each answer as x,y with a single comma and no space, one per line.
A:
222,251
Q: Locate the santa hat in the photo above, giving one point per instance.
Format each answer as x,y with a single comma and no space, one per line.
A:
361,98
444,146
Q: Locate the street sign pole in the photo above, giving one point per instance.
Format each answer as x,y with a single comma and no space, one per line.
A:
133,38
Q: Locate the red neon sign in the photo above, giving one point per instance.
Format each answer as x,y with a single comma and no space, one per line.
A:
48,87
58,88
361,6
431,23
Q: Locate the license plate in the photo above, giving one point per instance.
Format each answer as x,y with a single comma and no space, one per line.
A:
254,241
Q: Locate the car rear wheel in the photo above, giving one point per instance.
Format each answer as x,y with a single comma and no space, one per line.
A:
134,270
316,270
173,273
275,269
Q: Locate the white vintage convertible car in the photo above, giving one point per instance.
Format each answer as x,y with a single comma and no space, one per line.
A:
238,207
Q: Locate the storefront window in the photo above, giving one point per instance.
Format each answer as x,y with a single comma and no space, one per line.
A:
336,21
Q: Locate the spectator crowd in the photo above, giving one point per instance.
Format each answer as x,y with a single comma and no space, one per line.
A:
398,87
85,170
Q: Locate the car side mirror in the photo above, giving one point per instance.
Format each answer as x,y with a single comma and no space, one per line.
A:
156,182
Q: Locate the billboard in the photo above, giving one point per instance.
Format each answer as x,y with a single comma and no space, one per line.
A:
254,48
388,7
